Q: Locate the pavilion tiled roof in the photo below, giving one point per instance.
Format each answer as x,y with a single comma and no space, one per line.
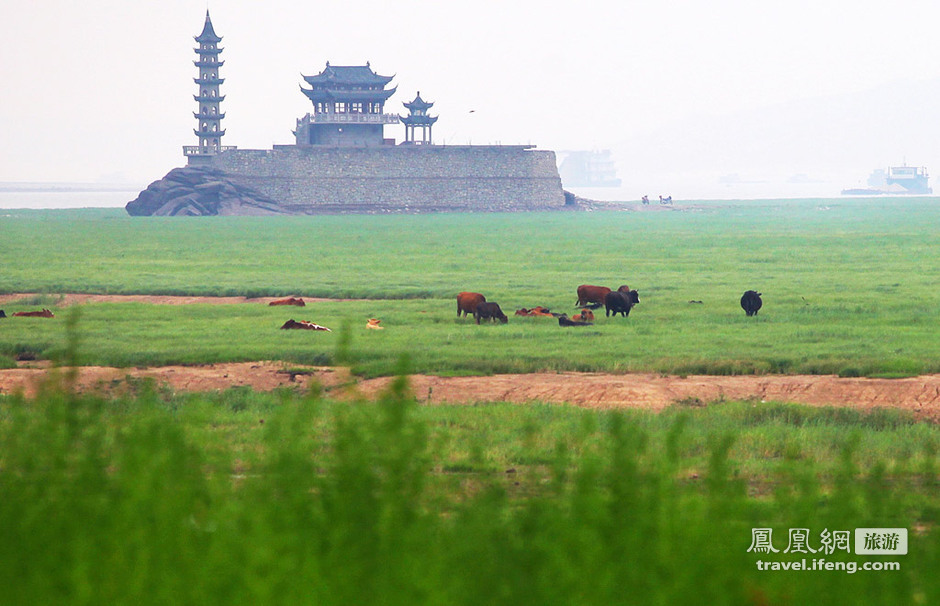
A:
347,75
418,103
350,96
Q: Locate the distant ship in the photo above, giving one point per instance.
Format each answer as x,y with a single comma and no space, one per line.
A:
588,169
902,180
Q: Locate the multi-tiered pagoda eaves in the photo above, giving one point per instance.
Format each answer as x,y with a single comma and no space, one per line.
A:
209,116
348,108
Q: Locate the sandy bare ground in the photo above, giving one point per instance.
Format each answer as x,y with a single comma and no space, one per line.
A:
66,300
919,395
261,376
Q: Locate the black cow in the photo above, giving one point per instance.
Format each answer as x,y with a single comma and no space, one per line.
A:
750,302
489,311
621,301
2,314
564,320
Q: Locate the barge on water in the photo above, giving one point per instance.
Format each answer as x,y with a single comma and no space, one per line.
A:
903,180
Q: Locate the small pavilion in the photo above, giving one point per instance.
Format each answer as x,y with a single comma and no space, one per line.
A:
418,119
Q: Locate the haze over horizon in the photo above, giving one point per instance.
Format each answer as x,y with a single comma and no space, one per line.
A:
787,96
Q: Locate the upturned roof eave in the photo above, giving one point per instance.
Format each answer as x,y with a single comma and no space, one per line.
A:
348,74
316,95
208,34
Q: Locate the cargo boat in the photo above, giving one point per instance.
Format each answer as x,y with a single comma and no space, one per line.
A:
903,180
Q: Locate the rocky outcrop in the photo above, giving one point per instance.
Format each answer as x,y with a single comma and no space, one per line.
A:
200,191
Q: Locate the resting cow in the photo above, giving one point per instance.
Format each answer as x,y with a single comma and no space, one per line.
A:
289,301
467,302
373,324
303,325
45,313
621,301
489,311
2,314
751,302
586,315
535,311
564,320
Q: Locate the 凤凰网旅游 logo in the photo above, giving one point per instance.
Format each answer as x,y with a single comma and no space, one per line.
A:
868,541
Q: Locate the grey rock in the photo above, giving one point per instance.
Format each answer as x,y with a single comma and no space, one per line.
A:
198,192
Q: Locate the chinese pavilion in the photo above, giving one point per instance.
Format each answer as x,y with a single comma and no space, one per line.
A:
341,161
418,119
348,104
209,126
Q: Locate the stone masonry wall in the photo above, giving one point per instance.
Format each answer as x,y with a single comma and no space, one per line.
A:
398,178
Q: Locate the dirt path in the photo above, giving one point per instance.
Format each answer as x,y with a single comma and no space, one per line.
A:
920,395
66,300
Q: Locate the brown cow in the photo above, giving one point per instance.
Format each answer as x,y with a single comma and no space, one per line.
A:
289,301
45,313
467,302
586,315
591,294
303,325
535,311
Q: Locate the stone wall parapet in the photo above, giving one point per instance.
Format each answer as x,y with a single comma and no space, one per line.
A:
413,177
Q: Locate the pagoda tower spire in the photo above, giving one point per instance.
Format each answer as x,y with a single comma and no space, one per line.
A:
209,116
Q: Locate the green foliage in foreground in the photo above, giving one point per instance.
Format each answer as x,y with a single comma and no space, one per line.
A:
165,499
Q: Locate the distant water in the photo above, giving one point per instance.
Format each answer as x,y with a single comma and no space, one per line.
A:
52,196
685,189
65,196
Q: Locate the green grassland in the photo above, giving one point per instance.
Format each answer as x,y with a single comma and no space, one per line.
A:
246,498
849,287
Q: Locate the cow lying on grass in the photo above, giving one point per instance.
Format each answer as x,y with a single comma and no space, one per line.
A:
535,311
564,320
303,325
289,301
586,315
45,313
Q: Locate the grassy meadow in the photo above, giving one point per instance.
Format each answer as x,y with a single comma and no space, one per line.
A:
848,286
245,498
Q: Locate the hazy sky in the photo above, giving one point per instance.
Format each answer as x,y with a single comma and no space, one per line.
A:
102,89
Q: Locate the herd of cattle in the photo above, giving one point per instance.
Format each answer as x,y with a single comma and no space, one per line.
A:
590,297
619,301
